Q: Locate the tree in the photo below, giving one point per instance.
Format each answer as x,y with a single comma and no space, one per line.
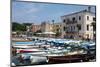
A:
58,34
18,27
27,24
53,21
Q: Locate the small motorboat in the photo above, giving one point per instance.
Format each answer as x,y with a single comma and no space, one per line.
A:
38,59
28,50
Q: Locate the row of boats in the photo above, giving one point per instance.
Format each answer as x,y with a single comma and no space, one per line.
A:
50,50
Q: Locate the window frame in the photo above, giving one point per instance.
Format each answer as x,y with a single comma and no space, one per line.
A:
79,17
87,17
87,27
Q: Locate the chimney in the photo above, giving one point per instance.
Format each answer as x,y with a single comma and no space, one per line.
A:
89,8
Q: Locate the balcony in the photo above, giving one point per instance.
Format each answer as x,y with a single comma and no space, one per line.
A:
71,22
71,31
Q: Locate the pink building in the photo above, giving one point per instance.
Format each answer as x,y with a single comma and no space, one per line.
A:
35,28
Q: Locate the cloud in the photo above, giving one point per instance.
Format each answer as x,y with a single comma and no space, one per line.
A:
32,10
23,9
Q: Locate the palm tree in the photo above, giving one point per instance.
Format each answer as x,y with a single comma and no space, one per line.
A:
53,25
53,21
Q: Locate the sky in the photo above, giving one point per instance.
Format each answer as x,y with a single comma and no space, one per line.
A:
35,12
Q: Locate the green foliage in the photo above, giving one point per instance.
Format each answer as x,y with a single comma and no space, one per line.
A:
27,24
58,34
18,27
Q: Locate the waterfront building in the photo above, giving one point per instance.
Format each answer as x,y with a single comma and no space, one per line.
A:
57,28
78,25
35,27
46,27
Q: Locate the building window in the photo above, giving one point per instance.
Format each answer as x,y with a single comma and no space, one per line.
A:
57,30
74,27
87,27
94,19
79,27
64,28
73,18
87,17
71,28
79,17
64,20
68,20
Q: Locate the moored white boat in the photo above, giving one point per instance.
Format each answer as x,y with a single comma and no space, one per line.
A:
38,59
28,50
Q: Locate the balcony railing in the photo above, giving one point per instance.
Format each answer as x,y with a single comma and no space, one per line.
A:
71,22
71,31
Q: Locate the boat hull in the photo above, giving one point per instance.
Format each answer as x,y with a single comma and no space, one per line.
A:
71,58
